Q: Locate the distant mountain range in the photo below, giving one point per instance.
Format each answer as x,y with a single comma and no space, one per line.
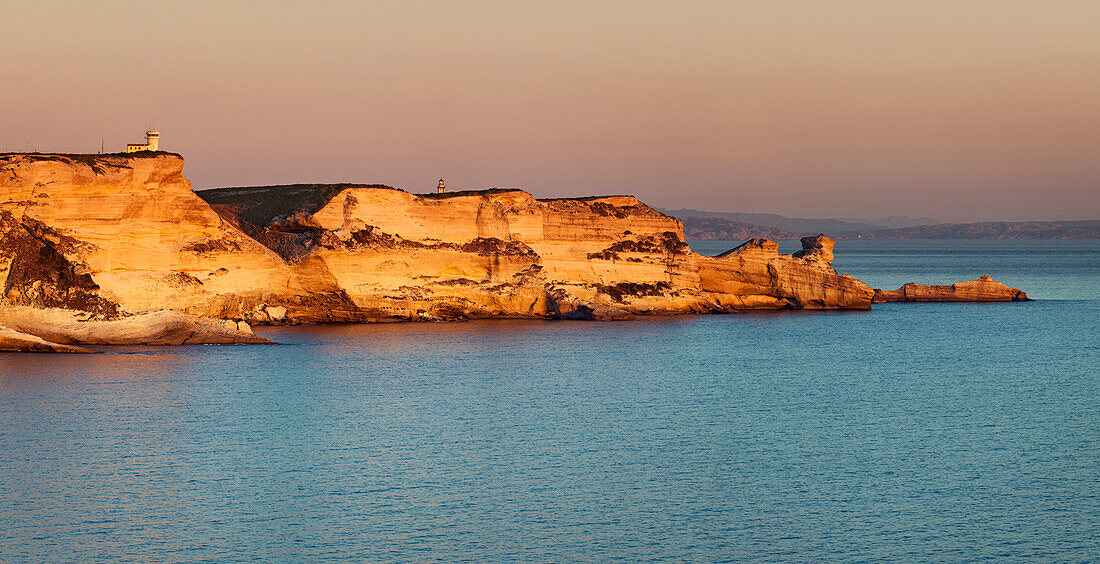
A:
895,222
720,229
707,225
1089,229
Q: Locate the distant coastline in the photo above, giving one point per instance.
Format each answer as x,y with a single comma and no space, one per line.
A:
720,226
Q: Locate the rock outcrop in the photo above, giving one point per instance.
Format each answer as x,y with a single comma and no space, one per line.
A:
984,289
755,275
114,239
15,341
163,327
817,249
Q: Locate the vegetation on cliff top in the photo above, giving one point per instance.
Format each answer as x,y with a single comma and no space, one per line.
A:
93,160
458,193
262,205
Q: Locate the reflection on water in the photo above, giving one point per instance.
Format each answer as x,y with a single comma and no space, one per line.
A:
914,432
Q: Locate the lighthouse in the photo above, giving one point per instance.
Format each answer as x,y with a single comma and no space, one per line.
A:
152,140
152,143
442,187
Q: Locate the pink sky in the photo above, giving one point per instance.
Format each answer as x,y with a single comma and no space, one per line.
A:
955,110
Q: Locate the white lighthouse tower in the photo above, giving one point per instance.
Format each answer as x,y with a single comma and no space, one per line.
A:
152,139
152,143
442,187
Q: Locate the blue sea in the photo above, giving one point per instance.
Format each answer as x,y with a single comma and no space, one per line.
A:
912,433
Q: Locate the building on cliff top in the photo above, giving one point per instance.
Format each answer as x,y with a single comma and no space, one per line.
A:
442,187
152,143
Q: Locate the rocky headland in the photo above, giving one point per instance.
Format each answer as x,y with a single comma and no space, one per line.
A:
118,249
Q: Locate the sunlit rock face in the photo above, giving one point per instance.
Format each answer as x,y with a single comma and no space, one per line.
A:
129,230
110,236
817,250
134,237
503,252
163,327
756,276
15,341
984,289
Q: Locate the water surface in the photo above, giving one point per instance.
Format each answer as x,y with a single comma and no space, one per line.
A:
916,432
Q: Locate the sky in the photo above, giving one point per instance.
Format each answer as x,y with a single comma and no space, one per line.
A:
959,111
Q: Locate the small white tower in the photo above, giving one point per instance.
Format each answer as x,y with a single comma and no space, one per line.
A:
442,187
152,143
152,140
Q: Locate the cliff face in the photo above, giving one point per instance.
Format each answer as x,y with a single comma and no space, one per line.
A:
502,252
114,235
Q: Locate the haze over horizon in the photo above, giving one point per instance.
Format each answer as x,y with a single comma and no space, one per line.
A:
969,112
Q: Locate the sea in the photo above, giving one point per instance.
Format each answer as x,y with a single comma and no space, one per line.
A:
911,433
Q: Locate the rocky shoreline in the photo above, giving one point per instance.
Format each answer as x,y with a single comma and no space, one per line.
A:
118,249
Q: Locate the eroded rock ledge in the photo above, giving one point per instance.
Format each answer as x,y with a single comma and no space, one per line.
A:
984,289
111,238
16,341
